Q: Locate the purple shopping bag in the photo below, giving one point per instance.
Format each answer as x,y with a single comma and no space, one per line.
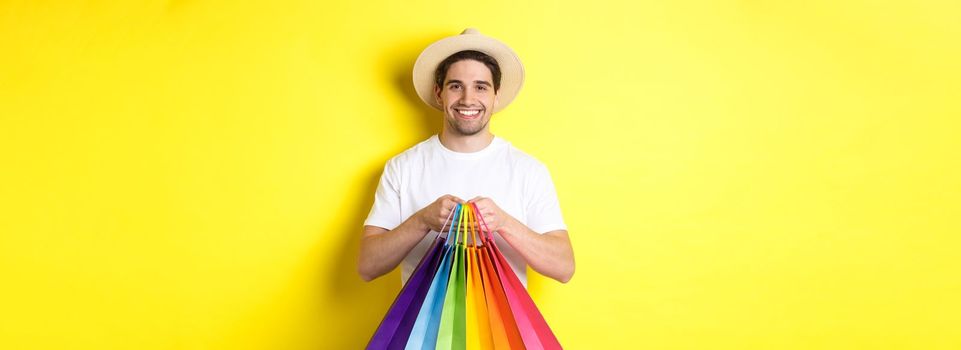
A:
394,330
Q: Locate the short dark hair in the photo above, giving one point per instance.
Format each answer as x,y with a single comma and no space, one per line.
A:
478,56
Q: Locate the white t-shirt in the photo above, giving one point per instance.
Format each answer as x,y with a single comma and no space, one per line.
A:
517,182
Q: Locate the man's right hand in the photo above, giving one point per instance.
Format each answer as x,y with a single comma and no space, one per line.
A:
435,215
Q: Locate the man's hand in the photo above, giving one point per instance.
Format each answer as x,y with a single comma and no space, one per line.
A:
494,217
548,253
381,250
435,215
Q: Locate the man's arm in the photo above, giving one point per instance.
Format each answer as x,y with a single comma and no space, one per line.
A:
381,249
550,254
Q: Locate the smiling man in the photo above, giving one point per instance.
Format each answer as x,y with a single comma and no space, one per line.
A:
468,77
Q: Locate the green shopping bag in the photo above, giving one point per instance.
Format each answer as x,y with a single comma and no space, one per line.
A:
453,328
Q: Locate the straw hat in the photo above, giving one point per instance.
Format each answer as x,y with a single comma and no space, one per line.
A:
512,71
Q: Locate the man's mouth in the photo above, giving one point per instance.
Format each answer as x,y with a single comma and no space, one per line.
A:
467,113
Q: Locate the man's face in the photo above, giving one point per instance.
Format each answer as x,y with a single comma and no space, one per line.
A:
467,97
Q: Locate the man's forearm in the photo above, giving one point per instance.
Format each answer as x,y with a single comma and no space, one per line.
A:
550,254
381,250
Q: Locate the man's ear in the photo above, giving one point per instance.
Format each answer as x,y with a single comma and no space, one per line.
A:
496,99
437,95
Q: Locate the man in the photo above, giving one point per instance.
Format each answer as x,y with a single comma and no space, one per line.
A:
468,77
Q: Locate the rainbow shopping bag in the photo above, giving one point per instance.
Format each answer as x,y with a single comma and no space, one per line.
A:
464,295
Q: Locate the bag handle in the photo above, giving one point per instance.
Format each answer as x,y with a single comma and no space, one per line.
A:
453,214
461,218
486,232
469,224
472,225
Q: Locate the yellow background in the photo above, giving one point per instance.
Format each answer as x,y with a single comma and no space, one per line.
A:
735,174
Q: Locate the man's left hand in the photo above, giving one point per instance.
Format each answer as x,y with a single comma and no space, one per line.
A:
494,217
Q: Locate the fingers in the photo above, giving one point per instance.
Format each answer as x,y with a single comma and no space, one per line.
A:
453,198
466,228
485,206
478,199
448,202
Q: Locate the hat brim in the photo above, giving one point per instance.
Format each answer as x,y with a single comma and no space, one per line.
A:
512,71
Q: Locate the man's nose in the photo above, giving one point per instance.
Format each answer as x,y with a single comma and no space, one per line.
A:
468,94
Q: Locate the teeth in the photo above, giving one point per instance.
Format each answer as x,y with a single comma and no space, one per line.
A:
471,113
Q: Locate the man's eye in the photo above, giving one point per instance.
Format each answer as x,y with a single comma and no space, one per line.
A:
454,86
481,88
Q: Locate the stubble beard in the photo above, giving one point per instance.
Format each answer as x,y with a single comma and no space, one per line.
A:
466,128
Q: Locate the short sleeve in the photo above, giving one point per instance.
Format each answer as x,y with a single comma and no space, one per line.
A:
543,207
385,212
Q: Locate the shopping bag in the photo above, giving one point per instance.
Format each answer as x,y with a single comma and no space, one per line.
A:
535,332
395,329
478,324
464,295
426,326
504,331
451,334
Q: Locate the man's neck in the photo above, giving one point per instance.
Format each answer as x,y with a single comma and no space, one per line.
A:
466,143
